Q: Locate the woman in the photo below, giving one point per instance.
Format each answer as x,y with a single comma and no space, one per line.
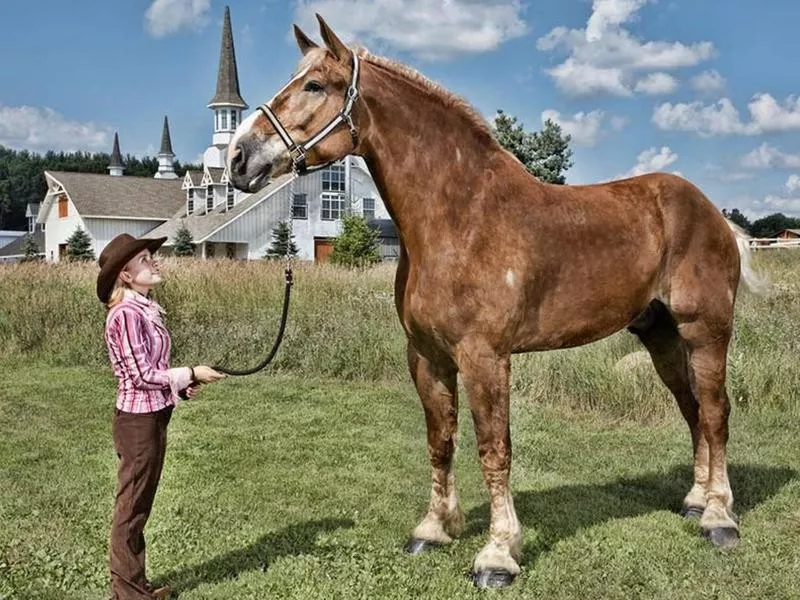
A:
139,349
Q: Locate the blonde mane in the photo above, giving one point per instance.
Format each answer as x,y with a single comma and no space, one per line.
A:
447,98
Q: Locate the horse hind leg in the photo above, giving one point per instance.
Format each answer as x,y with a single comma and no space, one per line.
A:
437,388
657,330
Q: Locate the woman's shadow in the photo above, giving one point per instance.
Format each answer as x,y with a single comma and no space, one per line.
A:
558,513
296,539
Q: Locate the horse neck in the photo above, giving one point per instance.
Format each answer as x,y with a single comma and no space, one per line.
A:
424,155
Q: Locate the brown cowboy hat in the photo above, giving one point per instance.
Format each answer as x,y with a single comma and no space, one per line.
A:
116,255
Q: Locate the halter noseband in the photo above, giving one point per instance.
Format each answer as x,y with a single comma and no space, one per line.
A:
298,151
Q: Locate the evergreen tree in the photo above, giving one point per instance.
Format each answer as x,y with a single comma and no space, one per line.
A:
282,242
79,246
29,248
546,153
183,244
357,245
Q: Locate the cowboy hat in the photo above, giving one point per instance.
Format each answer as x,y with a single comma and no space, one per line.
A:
116,255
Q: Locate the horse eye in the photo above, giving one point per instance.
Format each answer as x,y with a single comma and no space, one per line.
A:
313,86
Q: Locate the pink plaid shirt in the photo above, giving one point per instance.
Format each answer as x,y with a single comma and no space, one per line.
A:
139,348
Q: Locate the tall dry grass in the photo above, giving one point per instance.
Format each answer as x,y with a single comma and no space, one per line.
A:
343,324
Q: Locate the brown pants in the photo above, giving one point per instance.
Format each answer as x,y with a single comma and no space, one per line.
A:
140,441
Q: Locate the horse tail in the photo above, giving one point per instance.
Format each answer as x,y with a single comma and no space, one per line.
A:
755,282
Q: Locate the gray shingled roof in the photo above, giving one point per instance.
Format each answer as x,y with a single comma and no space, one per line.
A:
201,226
216,173
116,157
103,195
16,248
166,141
385,227
195,176
228,76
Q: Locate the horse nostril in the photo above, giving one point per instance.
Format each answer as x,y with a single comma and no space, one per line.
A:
238,160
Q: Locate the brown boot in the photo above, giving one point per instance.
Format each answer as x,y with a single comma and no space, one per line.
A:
161,591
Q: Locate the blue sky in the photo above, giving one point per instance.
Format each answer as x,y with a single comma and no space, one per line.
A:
706,88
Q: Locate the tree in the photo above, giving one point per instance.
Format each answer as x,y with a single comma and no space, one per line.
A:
282,242
183,243
546,153
737,217
772,225
79,246
357,245
30,249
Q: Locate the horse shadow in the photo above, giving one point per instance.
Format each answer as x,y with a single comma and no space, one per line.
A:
558,513
294,540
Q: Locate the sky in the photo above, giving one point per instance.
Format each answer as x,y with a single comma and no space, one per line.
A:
705,88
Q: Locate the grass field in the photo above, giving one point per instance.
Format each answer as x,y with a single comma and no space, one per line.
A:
278,487
306,481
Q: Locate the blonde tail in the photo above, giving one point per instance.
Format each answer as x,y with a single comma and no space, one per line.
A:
754,281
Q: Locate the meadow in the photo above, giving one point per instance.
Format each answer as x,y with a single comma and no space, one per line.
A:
305,481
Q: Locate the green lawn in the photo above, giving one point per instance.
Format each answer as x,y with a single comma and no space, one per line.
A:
288,488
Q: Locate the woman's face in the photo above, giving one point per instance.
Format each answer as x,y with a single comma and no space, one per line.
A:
142,271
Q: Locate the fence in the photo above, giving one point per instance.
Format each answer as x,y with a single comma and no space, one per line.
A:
766,243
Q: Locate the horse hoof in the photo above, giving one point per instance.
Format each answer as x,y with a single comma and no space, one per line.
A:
420,546
491,578
722,537
691,512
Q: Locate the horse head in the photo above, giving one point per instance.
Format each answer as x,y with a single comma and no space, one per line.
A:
307,123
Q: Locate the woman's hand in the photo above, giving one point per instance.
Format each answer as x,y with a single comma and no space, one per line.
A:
204,374
191,391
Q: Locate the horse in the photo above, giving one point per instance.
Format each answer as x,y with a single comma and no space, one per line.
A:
495,262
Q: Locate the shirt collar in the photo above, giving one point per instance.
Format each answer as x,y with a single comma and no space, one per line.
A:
148,304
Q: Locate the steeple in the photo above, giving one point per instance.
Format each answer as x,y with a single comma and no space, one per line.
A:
227,103
228,76
166,156
115,167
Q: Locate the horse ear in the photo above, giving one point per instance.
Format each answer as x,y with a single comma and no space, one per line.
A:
305,42
334,44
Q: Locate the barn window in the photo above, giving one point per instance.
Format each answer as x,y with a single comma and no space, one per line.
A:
368,208
333,179
63,207
332,206
300,206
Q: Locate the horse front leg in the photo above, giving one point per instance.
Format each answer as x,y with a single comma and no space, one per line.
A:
486,379
437,388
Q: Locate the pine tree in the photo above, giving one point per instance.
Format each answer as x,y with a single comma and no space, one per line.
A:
183,244
282,242
546,153
79,246
357,245
29,248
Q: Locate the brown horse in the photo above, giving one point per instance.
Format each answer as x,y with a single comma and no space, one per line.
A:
495,262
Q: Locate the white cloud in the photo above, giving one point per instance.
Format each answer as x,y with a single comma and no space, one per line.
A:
708,82
769,157
793,183
652,159
772,203
582,79
657,84
41,129
618,123
605,50
586,129
771,116
722,117
608,14
430,30
164,17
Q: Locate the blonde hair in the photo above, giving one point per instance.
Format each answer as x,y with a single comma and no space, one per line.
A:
117,293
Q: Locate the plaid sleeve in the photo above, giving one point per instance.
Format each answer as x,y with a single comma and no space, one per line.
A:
125,340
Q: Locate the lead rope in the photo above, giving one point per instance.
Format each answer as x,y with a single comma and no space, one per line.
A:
287,291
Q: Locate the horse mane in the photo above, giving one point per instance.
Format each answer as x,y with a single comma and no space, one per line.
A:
445,96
